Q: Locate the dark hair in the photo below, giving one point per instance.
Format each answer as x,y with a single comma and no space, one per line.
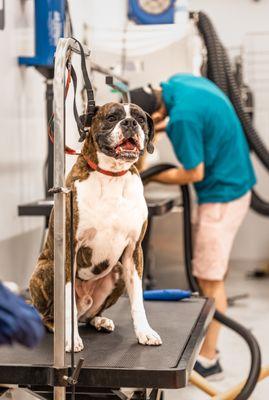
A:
147,99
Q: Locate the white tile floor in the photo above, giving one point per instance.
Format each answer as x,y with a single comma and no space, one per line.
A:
253,312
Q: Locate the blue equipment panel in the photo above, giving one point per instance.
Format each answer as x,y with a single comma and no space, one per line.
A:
140,11
49,27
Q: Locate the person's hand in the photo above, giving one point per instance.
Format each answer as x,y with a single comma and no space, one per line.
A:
157,117
160,120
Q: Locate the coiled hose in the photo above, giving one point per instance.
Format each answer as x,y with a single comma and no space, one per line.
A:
252,343
219,70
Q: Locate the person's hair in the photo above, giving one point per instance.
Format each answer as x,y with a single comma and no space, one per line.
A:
147,97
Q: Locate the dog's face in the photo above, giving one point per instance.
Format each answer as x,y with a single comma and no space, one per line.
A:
122,131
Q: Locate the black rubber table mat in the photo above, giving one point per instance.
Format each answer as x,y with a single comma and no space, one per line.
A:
174,321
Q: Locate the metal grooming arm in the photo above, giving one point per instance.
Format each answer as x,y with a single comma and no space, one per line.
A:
64,50
121,87
113,80
106,71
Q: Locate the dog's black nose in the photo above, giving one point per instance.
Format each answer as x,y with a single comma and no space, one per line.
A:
129,123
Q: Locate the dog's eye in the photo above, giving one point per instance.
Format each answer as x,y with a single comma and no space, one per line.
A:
140,119
111,118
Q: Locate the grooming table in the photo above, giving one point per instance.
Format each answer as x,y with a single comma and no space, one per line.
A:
158,204
39,208
114,360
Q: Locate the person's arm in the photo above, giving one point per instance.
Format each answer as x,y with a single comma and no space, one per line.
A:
181,176
187,141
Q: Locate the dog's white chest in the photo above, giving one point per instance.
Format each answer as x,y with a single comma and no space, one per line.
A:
112,211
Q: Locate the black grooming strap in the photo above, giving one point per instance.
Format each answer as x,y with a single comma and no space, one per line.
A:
88,86
86,119
81,128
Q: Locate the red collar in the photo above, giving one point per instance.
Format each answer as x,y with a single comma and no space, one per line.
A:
95,167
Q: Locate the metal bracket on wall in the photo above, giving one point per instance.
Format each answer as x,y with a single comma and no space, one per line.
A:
120,87
115,81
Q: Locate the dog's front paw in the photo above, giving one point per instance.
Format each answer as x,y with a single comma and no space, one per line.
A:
148,337
103,324
78,344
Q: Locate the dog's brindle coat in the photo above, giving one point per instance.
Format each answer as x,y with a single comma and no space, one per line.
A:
110,218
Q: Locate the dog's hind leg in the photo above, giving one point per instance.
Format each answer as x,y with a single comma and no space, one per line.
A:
78,344
106,292
41,290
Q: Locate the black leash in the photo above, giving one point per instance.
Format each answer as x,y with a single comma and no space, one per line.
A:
81,126
75,370
73,396
71,379
84,120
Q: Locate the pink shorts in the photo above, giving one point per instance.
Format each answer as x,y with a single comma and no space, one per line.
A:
215,227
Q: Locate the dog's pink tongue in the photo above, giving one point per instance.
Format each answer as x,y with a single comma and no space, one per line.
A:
128,145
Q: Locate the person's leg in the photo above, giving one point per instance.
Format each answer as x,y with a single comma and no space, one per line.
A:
216,290
216,227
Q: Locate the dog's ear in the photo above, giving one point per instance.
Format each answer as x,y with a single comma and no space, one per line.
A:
86,119
150,147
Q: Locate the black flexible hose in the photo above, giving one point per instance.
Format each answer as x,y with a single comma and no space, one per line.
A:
252,343
258,204
255,354
219,70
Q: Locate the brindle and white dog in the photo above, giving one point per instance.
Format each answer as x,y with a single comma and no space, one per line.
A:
110,218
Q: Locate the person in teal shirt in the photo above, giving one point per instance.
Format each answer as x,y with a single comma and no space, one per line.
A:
209,142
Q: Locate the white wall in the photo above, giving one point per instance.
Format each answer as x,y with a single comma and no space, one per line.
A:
233,19
23,142
22,149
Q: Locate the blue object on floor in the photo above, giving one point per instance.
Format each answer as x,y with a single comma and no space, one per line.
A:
19,322
167,294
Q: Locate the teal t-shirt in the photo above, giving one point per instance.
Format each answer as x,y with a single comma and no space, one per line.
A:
204,127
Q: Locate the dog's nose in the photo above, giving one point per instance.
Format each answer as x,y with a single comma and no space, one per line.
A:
129,123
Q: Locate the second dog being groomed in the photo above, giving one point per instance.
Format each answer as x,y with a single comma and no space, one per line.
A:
110,219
